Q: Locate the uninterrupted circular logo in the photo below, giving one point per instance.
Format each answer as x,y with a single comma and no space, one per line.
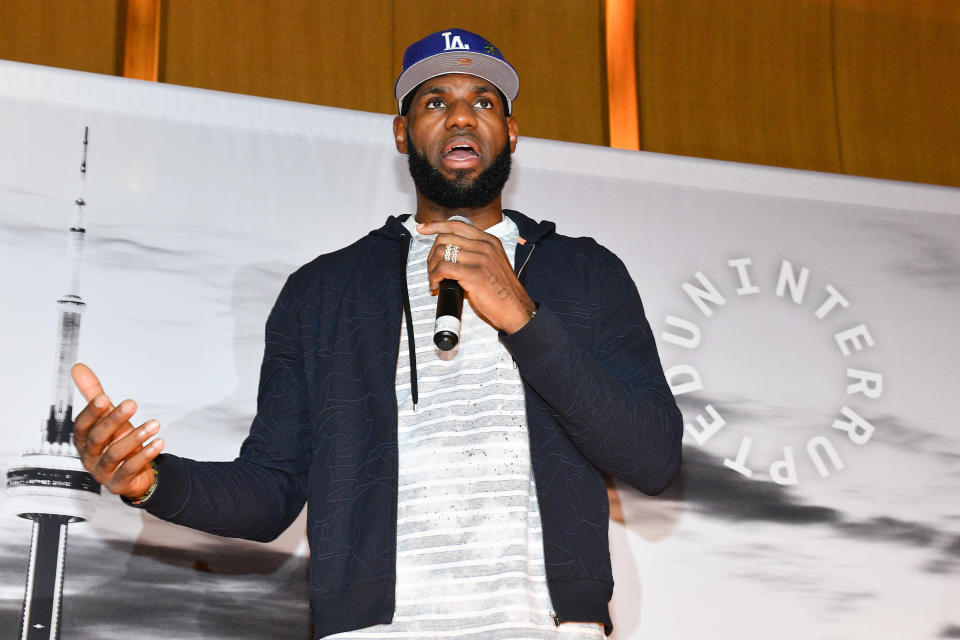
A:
824,308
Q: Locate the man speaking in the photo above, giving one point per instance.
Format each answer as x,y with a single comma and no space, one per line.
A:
450,492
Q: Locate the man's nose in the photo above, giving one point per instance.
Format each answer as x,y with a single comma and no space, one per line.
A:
461,115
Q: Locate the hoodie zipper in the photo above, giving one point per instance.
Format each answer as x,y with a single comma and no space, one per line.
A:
533,247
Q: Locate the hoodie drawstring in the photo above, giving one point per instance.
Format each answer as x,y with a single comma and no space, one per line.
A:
408,317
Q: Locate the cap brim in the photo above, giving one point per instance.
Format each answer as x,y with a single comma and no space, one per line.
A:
494,70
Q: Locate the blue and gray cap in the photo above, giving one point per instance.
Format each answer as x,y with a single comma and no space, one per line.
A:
456,51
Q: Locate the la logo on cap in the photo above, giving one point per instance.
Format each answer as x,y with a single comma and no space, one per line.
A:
453,43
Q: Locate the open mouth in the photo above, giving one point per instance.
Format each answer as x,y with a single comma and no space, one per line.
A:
460,150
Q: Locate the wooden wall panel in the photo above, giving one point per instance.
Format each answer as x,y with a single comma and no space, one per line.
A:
348,54
330,53
86,36
867,87
898,81
743,80
557,48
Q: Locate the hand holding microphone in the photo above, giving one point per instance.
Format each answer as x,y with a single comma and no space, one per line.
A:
475,261
446,328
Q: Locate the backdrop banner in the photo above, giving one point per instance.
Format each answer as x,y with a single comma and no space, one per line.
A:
807,324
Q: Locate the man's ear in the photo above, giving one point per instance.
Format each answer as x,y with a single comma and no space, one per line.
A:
400,133
512,129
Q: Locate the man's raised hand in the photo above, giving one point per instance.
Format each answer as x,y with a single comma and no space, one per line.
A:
483,270
111,448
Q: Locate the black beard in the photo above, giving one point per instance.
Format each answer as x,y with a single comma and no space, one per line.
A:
458,193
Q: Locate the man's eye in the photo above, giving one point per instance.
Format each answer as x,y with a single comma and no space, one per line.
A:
434,103
484,103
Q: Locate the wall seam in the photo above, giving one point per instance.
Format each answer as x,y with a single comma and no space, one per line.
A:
638,73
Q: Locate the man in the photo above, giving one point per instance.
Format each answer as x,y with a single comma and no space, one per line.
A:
449,493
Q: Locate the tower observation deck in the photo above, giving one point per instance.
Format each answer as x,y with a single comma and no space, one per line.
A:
49,485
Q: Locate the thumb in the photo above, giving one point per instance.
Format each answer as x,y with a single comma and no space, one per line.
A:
86,381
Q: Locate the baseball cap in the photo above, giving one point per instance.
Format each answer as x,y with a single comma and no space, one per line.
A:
455,51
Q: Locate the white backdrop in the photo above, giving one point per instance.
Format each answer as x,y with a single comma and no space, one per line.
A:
198,205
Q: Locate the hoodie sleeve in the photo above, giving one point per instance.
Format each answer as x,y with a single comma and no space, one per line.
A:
590,355
258,495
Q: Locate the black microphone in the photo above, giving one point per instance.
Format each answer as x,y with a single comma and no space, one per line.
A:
446,328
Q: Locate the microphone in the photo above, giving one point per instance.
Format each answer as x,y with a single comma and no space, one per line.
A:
446,328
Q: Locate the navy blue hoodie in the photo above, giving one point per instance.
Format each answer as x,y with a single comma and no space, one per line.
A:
325,431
